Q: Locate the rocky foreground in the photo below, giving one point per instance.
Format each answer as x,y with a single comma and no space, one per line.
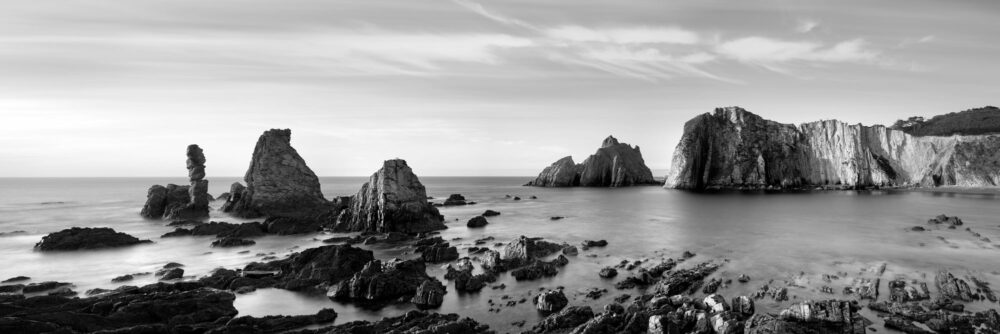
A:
613,165
732,148
672,295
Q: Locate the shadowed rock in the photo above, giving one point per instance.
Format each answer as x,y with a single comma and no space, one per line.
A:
278,182
393,200
613,165
86,238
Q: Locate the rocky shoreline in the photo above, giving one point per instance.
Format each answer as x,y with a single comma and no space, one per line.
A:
667,293
673,295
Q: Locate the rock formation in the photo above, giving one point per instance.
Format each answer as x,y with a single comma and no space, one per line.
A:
613,165
181,202
393,200
278,182
733,148
86,238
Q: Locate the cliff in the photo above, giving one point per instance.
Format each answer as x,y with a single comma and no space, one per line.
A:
733,148
278,182
613,165
393,200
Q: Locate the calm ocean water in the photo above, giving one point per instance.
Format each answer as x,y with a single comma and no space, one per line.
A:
796,237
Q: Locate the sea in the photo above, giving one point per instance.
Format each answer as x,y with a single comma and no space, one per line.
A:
800,240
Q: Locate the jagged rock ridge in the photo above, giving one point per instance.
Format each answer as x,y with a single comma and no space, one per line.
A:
278,182
613,165
393,200
733,148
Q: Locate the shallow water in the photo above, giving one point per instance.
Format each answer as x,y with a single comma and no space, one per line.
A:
796,237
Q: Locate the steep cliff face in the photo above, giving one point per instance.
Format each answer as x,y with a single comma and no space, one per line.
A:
393,200
613,165
278,182
733,148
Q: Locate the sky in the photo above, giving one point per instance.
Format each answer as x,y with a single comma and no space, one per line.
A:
458,87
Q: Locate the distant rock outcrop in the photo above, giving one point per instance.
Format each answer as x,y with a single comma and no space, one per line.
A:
613,165
393,200
733,148
278,182
181,202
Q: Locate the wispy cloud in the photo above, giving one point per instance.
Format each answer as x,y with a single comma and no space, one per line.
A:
913,41
630,35
764,50
806,25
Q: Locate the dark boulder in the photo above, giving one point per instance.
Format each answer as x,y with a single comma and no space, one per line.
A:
477,221
316,267
454,200
430,294
551,301
490,213
377,284
86,238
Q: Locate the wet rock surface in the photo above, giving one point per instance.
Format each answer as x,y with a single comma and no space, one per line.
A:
78,238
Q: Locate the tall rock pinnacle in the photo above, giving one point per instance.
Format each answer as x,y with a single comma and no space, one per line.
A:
393,200
181,202
278,182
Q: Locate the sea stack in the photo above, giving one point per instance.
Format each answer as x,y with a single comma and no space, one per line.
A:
613,165
393,200
181,202
278,182
732,148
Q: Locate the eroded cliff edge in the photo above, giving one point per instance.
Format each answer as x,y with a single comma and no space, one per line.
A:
732,148
613,165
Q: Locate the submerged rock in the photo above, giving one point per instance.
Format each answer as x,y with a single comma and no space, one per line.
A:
77,238
733,148
613,165
393,200
278,182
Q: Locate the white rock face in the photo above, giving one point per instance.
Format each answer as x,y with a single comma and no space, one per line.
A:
733,148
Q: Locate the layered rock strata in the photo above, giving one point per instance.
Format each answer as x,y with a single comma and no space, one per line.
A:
732,148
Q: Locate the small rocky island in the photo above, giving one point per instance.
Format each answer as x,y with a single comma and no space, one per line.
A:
613,165
733,148
181,202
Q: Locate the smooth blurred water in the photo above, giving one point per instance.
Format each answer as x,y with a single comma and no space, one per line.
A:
765,235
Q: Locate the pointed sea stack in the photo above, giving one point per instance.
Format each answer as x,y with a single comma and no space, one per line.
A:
181,202
732,148
613,165
393,200
278,182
